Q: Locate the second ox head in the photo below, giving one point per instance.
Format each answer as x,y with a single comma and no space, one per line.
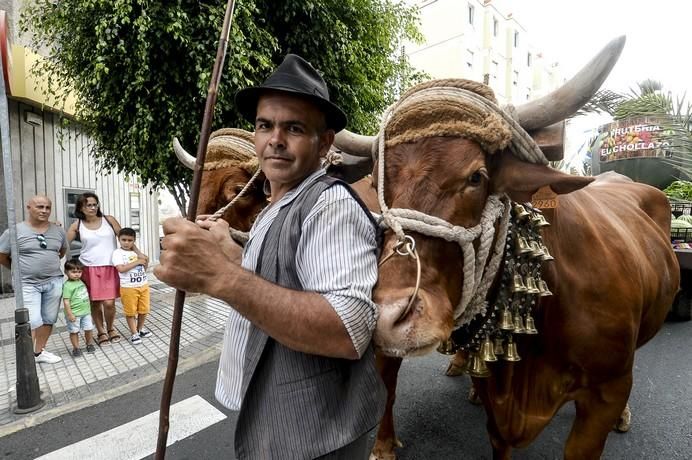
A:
229,165
444,161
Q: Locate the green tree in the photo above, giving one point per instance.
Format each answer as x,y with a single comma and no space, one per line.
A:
140,69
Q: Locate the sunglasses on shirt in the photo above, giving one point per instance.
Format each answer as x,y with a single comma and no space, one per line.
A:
42,241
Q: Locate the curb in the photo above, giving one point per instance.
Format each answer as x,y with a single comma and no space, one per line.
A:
36,419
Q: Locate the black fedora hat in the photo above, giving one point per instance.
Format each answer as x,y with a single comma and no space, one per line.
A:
294,75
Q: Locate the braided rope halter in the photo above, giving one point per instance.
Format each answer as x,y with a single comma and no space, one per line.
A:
477,276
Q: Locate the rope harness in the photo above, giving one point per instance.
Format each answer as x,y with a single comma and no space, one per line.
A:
477,275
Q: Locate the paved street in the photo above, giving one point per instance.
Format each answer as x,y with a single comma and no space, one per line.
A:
115,368
434,419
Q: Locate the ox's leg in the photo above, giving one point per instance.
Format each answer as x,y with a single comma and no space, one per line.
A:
598,409
458,364
386,437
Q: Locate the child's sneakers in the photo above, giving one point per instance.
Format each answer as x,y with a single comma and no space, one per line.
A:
135,339
91,348
76,352
144,332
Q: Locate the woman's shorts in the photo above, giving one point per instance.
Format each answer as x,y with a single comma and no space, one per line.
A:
103,282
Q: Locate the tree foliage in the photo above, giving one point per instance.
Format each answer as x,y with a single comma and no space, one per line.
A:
140,69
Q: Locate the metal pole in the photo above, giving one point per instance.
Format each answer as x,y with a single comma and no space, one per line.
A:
191,215
28,391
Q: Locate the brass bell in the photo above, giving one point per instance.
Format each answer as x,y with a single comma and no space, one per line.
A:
543,289
522,247
511,354
539,221
487,352
478,367
546,255
498,346
536,249
518,284
531,285
518,324
447,347
520,211
530,325
506,323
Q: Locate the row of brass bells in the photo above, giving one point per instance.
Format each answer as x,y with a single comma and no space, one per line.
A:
520,212
543,289
511,354
478,368
447,347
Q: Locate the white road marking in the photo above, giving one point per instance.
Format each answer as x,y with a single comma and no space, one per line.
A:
137,439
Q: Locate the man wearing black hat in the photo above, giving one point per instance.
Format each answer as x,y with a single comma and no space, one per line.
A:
297,361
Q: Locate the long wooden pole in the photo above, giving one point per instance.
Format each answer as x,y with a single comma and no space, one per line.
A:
191,215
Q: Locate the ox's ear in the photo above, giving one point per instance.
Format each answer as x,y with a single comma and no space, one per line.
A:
520,179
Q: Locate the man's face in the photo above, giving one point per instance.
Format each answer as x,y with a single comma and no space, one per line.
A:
39,208
290,138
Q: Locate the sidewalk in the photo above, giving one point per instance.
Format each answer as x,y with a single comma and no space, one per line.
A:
114,369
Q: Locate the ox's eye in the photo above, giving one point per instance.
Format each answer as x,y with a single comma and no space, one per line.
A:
475,178
238,188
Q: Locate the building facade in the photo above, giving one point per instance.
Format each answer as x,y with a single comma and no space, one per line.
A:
55,160
482,40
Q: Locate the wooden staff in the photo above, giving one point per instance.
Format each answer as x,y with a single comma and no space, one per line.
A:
191,215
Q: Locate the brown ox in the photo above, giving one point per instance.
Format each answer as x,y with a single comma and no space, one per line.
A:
613,278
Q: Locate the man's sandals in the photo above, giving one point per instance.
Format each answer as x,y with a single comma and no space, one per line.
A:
113,335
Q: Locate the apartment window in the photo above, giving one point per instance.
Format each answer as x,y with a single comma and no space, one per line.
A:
528,59
515,79
496,27
469,59
516,39
471,11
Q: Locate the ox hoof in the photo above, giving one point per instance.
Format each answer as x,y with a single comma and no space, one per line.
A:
474,398
624,422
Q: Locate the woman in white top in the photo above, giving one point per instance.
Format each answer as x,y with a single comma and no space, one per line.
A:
97,234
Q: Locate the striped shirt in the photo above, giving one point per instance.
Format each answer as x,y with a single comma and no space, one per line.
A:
336,257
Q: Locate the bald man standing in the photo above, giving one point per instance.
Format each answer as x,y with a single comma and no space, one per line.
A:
41,244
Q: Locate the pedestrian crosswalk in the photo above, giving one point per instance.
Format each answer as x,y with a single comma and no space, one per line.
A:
137,439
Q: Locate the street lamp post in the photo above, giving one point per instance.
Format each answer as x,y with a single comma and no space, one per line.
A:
28,391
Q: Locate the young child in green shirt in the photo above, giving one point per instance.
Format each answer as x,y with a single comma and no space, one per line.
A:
77,308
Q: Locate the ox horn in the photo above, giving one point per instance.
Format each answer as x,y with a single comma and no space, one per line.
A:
571,96
184,157
356,144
